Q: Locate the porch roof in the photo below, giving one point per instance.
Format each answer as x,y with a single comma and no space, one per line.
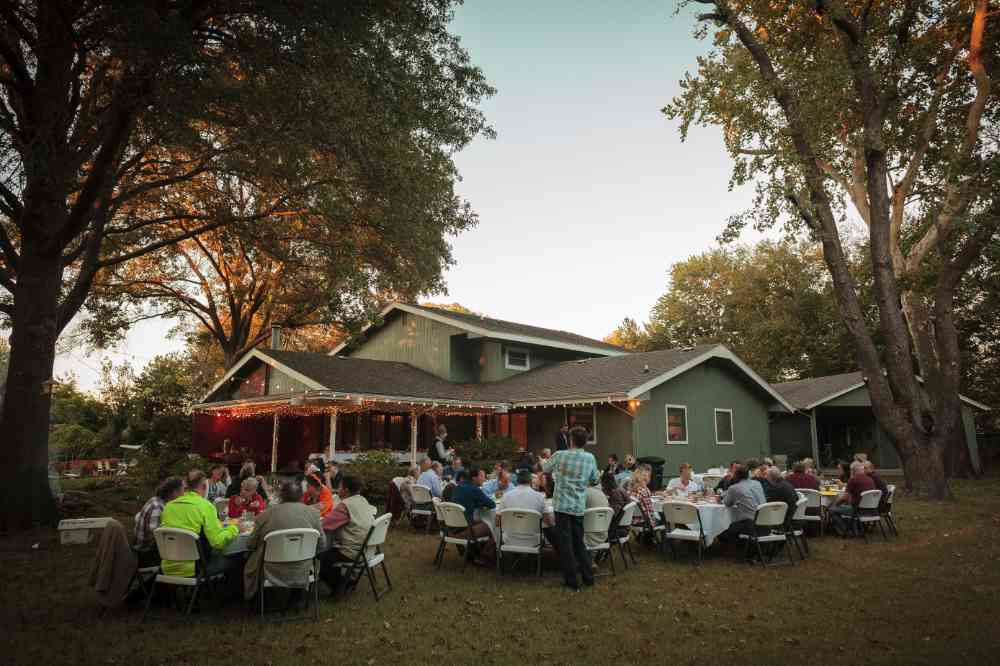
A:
815,391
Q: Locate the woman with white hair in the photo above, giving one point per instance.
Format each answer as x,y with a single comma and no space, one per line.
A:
248,500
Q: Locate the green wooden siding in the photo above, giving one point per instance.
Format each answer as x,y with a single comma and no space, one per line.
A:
493,366
614,431
419,341
790,436
278,383
703,389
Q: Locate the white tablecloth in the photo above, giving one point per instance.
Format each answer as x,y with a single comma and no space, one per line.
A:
715,518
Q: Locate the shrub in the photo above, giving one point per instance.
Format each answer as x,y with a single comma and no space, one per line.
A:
376,457
487,452
155,465
376,468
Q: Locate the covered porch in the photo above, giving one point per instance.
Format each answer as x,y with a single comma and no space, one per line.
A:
282,431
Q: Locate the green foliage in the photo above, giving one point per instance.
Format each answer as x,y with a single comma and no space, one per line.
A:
629,335
487,451
772,304
376,457
157,463
71,441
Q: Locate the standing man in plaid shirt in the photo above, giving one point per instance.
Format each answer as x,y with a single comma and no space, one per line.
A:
573,470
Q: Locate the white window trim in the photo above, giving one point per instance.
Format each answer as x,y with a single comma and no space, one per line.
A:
732,427
666,421
522,350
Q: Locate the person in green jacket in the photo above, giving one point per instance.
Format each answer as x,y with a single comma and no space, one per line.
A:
191,511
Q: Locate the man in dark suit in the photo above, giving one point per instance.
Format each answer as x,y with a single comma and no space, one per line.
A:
562,438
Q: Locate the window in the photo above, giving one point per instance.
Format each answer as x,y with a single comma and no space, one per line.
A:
677,424
585,417
517,359
723,426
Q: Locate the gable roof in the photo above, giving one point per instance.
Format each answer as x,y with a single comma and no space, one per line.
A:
624,377
815,391
488,327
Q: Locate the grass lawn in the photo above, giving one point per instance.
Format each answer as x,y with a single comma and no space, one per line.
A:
931,596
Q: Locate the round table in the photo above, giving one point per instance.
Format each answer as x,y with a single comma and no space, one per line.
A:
489,516
715,518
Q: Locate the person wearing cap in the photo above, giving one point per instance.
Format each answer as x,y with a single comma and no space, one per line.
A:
526,498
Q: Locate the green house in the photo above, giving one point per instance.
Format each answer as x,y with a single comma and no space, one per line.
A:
834,420
416,367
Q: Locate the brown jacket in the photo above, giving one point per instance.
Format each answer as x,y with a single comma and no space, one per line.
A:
114,565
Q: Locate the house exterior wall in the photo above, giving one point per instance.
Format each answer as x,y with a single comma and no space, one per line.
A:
703,389
493,352
278,383
419,341
614,431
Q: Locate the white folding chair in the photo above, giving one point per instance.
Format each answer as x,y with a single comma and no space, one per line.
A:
453,523
711,481
813,501
650,527
797,533
867,513
179,546
525,526
597,523
681,515
885,508
770,518
286,547
369,558
422,499
622,532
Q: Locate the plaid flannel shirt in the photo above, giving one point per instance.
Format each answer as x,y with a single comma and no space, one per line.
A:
573,470
146,522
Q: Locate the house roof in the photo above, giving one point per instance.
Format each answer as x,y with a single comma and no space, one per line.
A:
370,377
618,377
591,378
815,391
500,329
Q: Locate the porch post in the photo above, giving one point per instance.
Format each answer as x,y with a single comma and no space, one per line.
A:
274,445
413,437
815,438
479,427
333,434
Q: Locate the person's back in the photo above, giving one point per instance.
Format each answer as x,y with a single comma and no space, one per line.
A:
857,484
525,498
803,480
353,534
780,490
742,498
192,512
289,514
430,480
573,470
471,497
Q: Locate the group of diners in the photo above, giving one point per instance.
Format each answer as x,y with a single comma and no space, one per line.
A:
342,519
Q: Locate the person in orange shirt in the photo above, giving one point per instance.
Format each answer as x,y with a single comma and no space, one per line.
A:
318,494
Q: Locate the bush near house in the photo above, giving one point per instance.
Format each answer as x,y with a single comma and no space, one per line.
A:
487,452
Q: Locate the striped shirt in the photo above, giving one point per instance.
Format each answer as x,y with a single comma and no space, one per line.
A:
573,470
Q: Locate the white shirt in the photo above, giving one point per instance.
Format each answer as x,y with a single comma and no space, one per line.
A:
676,485
525,498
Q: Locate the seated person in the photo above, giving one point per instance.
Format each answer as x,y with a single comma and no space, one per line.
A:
431,478
527,461
246,472
289,514
452,469
191,511
685,484
613,465
148,519
218,483
347,526
412,474
523,496
469,493
500,485
595,499
742,497
780,490
843,471
754,472
318,495
617,498
247,500
799,479
879,483
639,489
727,479
332,475
845,505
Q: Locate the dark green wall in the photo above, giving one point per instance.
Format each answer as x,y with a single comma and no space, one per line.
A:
493,358
702,389
419,341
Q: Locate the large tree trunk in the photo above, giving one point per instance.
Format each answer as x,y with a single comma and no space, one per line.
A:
25,498
924,469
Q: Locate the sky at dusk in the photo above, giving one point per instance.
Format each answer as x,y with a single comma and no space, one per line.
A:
587,195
